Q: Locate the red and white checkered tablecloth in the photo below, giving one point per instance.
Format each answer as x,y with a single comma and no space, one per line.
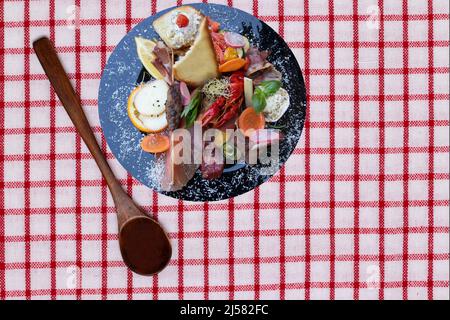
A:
360,211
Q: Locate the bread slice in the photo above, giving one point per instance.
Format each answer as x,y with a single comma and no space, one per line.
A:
164,24
199,64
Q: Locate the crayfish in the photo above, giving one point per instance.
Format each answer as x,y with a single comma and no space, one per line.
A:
224,109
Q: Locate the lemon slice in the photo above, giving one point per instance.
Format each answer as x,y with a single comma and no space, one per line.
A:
143,123
145,53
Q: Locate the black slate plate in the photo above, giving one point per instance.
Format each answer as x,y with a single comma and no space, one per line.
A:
124,71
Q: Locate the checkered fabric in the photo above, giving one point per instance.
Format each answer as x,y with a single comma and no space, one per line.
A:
360,211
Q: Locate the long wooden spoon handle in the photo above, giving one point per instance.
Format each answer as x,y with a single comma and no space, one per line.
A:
58,78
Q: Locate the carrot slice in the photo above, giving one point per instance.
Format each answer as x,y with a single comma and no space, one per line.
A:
232,65
250,121
155,143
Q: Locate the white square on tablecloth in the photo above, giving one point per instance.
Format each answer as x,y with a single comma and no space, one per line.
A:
393,217
218,220
193,274
40,251
393,31
344,163
91,196
369,218
168,278
244,274
343,85
40,224
440,57
269,192
244,219
319,218
418,84
39,144
16,118
295,245
344,110
441,162
13,37
113,250
295,218
68,59
318,7
393,163
368,190
218,275
269,246
440,269
91,278
40,116
66,250
393,190
269,220
294,31
91,223
319,85
369,164
368,244
40,279
65,223
65,169
14,252
344,271
418,163
369,137
319,59
14,91
343,218
320,112
14,198
417,243
115,33
13,171
218,248
441,190
320,244
193,248
64,36
320,165
368,59
320,271
441,83
344,191
417,293
37,32
344,137
393,58
368,111
295,272
393,271
319,138
14,279
368,85
418,110
393,111
117,278
393,243
418,190
344,244
90,62
269,273
418,57
91,250
40,197
343,30
368,31
320,191
417,270
418,31
14,224
341,58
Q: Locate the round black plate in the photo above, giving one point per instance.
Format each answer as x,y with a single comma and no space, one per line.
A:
124,71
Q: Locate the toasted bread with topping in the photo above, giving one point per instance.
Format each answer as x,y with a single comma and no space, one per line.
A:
199,64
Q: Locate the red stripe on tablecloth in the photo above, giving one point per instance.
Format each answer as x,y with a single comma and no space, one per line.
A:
405,146
222,288
282,187
356,176
27,203
206,250
256,237
431,150
78,206
52,166
332,154
255,9
382,151
129,177
307,160
104,212
155,209
267,233
2,168
270,18
231,262
180,250
154,198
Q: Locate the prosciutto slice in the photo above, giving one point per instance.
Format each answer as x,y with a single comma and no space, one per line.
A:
163,61
259,68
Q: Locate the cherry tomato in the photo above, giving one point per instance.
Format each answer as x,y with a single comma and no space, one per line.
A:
230,54
182,21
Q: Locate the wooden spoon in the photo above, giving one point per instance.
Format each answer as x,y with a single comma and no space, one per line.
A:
144,246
